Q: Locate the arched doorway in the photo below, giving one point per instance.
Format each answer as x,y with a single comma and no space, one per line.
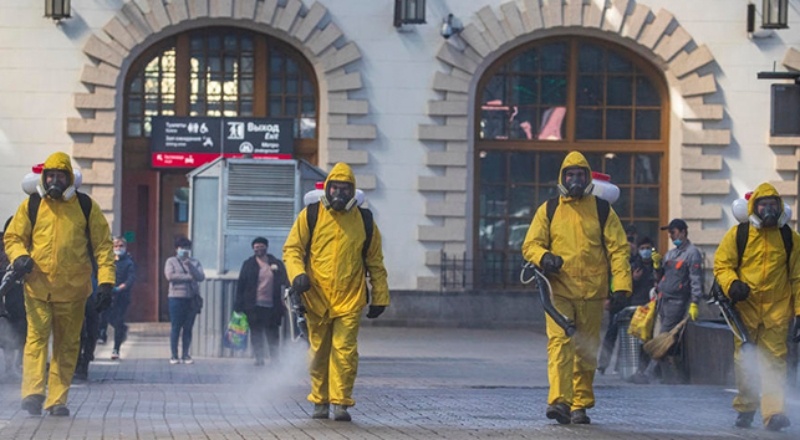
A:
208,72
544,99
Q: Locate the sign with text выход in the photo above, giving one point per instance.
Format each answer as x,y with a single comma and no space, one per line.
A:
184,142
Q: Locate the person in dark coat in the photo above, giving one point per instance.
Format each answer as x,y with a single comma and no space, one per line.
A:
258,295
126,276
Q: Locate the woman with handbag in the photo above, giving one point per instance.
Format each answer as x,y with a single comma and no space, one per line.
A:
183,273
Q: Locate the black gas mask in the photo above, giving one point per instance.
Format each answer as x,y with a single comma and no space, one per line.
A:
575,181
768,209
340,195
55,183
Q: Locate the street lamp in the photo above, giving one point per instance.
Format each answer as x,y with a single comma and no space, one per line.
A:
409,12
774,14
57,9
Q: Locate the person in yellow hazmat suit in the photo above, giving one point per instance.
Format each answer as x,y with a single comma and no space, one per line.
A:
763,282
575,250
327,260
52,242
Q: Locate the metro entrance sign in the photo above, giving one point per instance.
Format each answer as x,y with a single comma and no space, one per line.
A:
178,142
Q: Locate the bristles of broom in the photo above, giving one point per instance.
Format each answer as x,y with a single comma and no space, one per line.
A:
661,343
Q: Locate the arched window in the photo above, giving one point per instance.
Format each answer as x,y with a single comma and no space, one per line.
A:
223,72
543,100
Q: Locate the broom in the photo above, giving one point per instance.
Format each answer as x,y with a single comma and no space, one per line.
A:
661,343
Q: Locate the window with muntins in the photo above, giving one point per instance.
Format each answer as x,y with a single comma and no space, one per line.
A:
543,100
223,72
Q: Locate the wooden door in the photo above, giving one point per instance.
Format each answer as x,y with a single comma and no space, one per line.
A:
174,209
140,228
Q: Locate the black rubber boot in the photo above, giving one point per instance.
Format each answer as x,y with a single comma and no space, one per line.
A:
777,422
321,411
33,404
559,412
579,417
340,413
59,411
745,419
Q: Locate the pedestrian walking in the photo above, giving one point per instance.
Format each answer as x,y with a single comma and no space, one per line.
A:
262,279
126,277
183,273
331,248
55,235
577,240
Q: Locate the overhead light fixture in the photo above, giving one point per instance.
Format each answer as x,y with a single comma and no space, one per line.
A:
451,26
409,12
775,14
57,9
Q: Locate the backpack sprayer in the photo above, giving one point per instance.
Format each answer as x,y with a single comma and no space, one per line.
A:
545,296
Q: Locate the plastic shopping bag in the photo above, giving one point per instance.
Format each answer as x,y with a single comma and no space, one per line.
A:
236,333
643,321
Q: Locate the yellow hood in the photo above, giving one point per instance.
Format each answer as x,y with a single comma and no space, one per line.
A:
575,159
341,172
763,190
59,161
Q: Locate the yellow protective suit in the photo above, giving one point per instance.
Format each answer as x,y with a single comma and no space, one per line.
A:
61,281
338,291
774,300
581,286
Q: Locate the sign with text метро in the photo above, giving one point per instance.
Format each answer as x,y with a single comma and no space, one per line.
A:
262,138
184,142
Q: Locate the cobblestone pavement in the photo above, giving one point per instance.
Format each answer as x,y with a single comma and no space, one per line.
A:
412,384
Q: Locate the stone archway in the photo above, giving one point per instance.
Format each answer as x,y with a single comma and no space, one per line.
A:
139,23
655,35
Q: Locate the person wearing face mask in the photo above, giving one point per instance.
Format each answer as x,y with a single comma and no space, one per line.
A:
126,276
57,247
183,273
577,255
262,278
328,267
762,280
681,285
680,289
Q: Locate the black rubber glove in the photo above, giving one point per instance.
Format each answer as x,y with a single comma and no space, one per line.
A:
739,291
551,263
796,331
23,264
103,301
375,311
301,283
618,301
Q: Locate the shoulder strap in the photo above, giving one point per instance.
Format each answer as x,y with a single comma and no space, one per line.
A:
312,211
786,234
603,208
552,204
742,232
366,216
86,206
33,208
